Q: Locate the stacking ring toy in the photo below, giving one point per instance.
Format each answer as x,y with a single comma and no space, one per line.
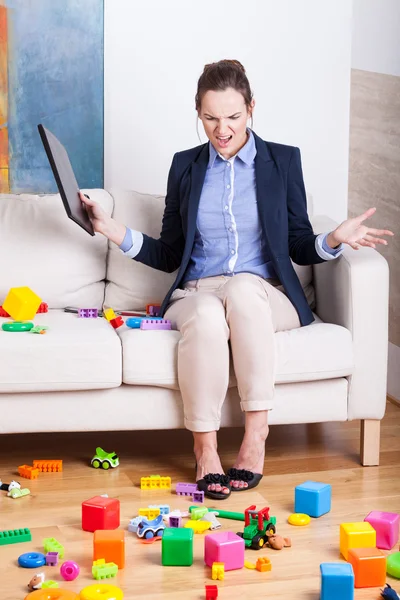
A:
17,326
69,570
101,591
299,519
52,594
32,560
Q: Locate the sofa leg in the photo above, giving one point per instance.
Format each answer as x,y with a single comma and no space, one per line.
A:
370,437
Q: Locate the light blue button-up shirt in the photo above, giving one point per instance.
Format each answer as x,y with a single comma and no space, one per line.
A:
229,237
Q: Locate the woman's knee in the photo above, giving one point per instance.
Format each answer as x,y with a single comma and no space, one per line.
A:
243,291
206,318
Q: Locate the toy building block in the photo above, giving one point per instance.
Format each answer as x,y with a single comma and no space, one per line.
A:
185,489
177,547
14,536
21,303
48,466
43,308
155,324
212,519
133,524
163,508
117,322
218,571
3,313
263,564
337,581
198,526
197,512
100,513
155,482
249,565
51,545
149,513
226,547
356,535
109,314
103,570
50,584
153,310
174,521
393,565
52,559
88,313
313,498
110,545
211,592
28,472
369,566
386,526
198,497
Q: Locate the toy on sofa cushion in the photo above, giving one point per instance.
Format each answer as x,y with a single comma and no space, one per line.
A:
104,459
21,303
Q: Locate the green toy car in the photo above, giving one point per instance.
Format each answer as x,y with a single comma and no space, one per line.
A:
258,526
105,460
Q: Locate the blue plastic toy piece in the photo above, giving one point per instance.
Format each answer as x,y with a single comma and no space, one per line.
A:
337,581
148,529
32,560
312,498
164,508
389,593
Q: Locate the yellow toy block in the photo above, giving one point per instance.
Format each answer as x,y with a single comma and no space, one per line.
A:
155,482
249,565
21,303
109,314
218,571
356,535
263,564
198,526
149,513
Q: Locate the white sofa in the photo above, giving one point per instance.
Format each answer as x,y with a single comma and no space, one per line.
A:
84,375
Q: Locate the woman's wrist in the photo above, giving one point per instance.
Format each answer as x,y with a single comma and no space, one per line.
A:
114,231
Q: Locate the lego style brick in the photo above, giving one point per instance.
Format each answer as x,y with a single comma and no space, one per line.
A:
117,322
337,581
386,526
177,547
52,559
218,571
149,513
109,314
198,497
175,521
15,536
100,513
155,482
52,545
153,310
110,545
103,570
369,566
88,313
211,592
185,489
313,498
225,547
28,472
163,508
263,564
155,324
21,303
197,512
48,466
356,535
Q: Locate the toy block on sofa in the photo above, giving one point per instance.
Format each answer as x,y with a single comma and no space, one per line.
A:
109,314
28,472
177,547
356,535
88,313
103,570
155,482
100,513
337,581
386,526
48,466
109,545
14,536
21,303
52,545
225,547
155,324
369,566
312,498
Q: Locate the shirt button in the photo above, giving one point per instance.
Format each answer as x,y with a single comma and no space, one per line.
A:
232,252
228,164
228,187
226,207
230,229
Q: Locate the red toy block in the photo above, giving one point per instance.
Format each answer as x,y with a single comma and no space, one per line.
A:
43,308
117,322
211,592
100,513
3,313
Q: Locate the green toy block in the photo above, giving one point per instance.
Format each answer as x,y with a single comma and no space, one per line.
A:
103,570
51,545
177,547
14,536
197,512
49,584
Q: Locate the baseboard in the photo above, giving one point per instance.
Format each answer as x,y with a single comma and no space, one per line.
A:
393,400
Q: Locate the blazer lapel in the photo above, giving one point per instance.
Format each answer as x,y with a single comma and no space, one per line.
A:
197,175
264,166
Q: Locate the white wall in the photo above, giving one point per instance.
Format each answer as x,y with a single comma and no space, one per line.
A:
297,56
376,36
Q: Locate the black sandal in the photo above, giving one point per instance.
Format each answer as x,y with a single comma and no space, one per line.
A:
217,478
252,479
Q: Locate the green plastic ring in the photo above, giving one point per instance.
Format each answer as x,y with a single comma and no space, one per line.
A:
17,326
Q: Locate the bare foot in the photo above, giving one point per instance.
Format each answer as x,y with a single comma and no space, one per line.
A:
208,461
251,455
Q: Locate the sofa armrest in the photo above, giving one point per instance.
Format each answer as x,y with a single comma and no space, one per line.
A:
353,291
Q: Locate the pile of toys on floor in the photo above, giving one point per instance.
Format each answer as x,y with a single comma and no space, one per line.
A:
361,543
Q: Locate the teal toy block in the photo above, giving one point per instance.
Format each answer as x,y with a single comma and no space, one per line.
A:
312,498
14,536
177,547
337,581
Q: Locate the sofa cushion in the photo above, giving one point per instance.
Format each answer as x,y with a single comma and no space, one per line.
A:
132,285
316,351
40,247
74,354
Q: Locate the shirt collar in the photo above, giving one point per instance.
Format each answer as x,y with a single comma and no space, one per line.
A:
247,153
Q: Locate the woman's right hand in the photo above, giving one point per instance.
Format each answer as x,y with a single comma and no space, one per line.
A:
101,222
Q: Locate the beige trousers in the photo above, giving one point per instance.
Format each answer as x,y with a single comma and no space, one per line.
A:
241,312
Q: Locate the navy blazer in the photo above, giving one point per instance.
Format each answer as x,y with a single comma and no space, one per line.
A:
282,207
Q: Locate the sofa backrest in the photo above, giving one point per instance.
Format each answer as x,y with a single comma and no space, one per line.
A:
42,249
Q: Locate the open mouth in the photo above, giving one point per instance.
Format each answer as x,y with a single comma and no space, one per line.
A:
224,141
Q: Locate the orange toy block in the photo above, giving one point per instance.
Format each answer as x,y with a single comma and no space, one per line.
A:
21,303
28,472
263,564
48,466
110,545
369,566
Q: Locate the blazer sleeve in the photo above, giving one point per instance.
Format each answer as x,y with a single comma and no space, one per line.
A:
301,236
165,253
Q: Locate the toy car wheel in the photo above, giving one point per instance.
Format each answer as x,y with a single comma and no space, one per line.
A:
96,463
106,465
240,533
160,532
271,530
149,534
257,542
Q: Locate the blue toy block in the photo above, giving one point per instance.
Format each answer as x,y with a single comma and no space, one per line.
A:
337,581
312,498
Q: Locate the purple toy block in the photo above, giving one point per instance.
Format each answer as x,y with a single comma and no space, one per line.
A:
386,526
153,324
226,547
88,313
198,497
185,489
154,311
175,521
52,559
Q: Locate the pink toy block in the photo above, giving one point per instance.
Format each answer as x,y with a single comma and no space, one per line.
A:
386,526
153,324
88,313
185,489
198,497
225,547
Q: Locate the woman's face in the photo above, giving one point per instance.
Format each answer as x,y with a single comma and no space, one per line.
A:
224,116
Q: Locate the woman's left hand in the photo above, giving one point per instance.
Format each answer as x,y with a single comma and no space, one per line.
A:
355,234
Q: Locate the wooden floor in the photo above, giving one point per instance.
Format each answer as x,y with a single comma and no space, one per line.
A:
323,452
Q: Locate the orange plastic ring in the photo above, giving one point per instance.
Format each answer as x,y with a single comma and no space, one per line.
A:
52,594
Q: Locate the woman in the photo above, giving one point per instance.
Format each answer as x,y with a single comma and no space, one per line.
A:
235,215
